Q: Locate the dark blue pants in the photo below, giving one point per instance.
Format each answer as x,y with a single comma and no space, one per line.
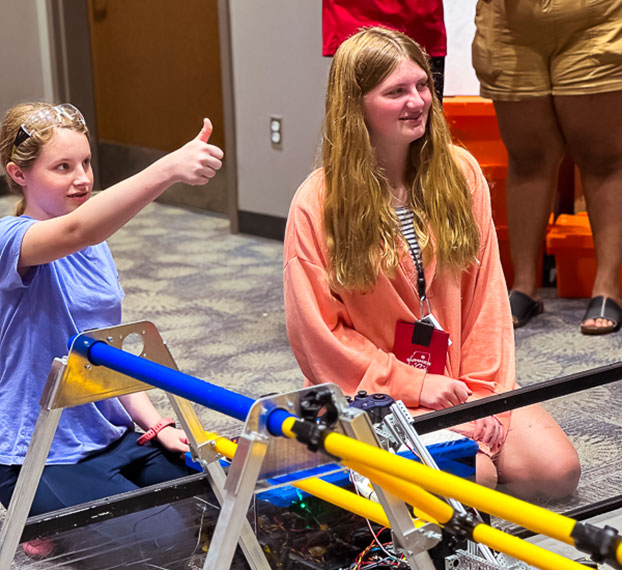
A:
124,466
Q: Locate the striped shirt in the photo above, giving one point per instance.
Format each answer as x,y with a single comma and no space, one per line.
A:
406,217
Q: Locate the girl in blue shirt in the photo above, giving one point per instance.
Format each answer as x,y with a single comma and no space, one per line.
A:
57,278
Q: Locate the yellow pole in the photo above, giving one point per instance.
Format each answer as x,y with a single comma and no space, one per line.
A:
525,551
432,508
326,491
442,512
537,519
532,517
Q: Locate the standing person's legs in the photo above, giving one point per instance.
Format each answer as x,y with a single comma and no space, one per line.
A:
592,127
535,146
437,66
537,459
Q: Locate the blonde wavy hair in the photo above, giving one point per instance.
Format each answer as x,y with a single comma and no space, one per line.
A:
25,154
362,230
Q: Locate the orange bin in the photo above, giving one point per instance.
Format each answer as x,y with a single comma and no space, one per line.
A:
473,125
570,241
496,175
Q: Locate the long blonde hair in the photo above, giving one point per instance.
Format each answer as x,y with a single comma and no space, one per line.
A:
24,154
362,230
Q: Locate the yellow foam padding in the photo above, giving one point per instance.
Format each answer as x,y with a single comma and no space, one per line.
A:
482,533
532,517
326,491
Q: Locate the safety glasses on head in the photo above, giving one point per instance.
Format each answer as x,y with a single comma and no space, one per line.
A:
47,118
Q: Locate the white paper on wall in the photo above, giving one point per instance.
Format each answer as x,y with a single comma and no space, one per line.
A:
460,77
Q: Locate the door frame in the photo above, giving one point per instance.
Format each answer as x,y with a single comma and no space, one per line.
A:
72,76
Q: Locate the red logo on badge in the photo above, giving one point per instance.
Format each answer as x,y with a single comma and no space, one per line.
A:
420,359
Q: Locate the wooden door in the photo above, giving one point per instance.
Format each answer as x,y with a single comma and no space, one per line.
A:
157,73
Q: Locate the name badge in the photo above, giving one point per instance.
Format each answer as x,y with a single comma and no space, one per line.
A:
421,345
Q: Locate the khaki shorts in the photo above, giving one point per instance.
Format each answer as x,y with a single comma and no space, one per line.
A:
534,48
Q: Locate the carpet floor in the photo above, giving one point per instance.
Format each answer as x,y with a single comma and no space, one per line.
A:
217,300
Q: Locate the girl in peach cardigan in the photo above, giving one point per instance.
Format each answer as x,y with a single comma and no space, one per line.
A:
396,226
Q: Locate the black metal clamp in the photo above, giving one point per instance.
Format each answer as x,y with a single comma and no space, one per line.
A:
312,428
600,543
461,525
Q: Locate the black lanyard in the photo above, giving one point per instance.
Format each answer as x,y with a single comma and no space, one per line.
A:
421,285
415,253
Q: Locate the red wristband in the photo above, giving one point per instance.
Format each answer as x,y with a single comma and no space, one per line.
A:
152,432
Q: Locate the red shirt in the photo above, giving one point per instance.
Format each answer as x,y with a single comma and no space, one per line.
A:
422,20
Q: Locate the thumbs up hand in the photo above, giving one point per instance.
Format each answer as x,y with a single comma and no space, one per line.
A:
197,161
206,131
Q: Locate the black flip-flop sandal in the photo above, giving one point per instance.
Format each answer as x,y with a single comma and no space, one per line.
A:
602,308
524,308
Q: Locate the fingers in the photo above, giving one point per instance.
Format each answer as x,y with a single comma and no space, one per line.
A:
458,393
488,437
206,130
499,436
208,162
196,162
212,162
462,392
443,392
479,430
489,431
202,176
176,441
178,447
215,151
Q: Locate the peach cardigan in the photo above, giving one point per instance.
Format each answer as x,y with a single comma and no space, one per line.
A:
347,337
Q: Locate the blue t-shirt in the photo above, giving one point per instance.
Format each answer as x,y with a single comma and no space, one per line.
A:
39,313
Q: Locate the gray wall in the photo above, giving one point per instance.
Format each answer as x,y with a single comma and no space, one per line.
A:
460,76
25,68
278,69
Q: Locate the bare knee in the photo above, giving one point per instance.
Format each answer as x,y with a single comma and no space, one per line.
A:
598,161
561,477
485,471
538,461
547,478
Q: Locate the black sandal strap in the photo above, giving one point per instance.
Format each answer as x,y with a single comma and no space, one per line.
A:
603,308
522,305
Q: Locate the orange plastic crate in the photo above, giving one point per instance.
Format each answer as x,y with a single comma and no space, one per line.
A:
473,124
570,241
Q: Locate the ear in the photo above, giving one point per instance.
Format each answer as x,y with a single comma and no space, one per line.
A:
16,173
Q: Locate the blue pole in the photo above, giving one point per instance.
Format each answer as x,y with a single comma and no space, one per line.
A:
209,395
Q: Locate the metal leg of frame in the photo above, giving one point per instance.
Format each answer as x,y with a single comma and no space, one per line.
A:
414,542
249,544
239,489
27,484
191,423
401,426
